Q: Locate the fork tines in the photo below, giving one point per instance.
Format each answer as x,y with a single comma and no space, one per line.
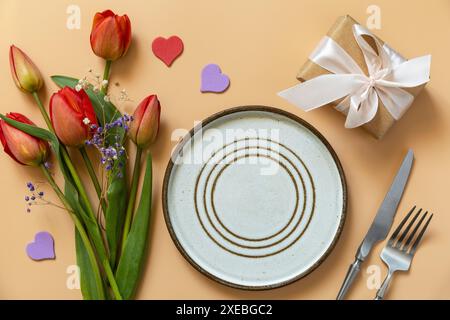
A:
397,239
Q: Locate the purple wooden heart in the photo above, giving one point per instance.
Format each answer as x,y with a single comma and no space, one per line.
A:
213,80
42,248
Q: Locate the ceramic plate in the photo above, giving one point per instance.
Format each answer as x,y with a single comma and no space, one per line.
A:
254,197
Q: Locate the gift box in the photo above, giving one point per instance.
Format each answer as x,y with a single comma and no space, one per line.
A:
361,76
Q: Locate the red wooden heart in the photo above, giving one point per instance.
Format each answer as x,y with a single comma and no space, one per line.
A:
167,50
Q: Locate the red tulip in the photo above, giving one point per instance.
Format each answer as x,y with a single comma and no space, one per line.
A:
22,147
145,125
24,72
110,35
72,116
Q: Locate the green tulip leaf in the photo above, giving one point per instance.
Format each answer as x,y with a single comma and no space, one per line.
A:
134,253
89,288
115,213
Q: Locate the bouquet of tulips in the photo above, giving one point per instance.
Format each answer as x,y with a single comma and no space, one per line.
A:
82,116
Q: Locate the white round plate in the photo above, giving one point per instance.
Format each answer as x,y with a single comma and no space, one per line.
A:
254,197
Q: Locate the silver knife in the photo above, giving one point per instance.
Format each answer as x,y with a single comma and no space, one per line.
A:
381,223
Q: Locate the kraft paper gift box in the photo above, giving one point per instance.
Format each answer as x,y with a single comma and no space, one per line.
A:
342,33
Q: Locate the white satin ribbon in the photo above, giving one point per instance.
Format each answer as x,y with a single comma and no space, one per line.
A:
388,72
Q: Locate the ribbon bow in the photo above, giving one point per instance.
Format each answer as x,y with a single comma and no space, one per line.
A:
388,72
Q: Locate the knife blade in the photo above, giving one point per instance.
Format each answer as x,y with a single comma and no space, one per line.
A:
382,222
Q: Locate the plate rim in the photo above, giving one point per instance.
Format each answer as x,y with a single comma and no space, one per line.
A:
269,109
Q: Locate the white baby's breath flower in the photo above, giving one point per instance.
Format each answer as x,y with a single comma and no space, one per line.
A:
86,121
78,87
104,83
106,98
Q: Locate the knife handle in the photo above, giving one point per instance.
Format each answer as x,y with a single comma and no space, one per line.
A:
352,272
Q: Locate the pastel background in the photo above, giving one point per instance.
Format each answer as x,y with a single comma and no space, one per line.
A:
260,45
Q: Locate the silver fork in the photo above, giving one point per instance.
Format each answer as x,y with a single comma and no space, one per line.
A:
398,253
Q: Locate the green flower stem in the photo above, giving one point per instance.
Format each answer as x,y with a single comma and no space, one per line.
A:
132,198
44,113
96,234
85,199
93,176
78,183
106,75
112,280
79,226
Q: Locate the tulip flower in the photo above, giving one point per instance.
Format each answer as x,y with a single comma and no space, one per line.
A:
27,78
24,72
22,147
143,131
110,35
72,116
145,125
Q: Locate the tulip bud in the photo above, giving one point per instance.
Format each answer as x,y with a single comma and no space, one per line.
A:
24,72
145,125
22,147
110,35
72,116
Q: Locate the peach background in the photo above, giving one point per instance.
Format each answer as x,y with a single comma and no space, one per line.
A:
260,45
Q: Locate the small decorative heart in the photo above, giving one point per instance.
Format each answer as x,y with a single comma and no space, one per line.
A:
42,248
167,50
213,80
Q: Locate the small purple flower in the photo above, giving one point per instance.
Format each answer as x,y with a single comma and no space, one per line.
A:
41,193
27,198
47,165
30,186
109,143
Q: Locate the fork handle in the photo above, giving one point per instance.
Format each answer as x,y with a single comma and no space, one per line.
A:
384,287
